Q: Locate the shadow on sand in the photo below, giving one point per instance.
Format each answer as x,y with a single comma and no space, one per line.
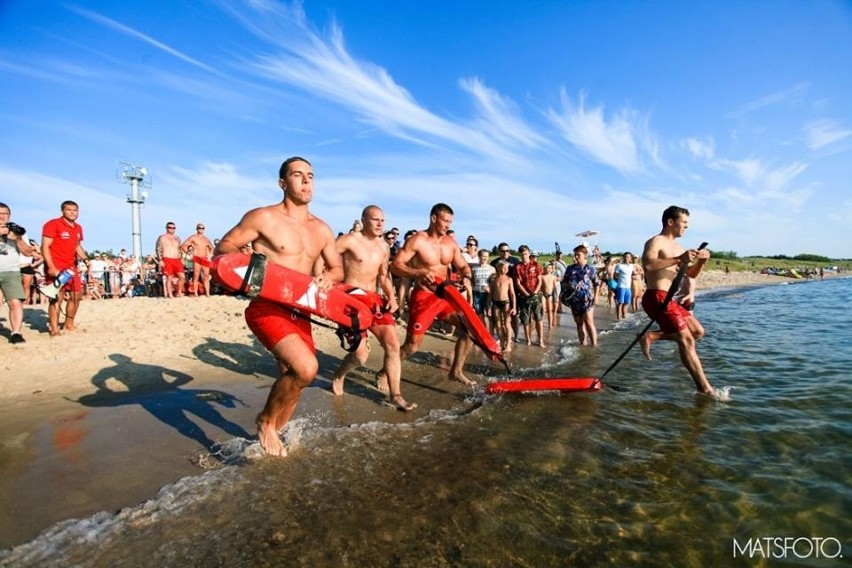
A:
159,391
237,357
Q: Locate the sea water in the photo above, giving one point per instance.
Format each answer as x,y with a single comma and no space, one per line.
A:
649,475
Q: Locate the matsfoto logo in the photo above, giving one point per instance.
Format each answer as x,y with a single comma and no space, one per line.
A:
787,547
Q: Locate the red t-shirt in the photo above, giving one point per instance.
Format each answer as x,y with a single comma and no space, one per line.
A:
65,240
528,274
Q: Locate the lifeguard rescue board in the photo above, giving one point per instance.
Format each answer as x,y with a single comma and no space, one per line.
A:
254,276
470,319
573,384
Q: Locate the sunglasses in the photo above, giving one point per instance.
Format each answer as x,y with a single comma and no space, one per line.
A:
504,250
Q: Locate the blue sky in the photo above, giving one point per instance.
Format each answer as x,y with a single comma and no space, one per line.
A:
534,120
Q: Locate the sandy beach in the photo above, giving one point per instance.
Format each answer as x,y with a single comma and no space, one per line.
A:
81,430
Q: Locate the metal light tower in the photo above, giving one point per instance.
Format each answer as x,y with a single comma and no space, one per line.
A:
135,176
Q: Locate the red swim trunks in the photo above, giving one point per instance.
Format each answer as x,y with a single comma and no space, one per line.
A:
201,261
172,266
423,307
372,300
673,319
272,322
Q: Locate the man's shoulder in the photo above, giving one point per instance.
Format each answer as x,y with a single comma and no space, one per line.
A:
52,222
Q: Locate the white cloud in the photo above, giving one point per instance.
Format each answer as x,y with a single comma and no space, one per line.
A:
128,31
792,95
821,133
611,142
749,170
773,187
321,66
499,116
702,149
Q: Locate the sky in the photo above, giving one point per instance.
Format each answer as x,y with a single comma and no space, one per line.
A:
533,120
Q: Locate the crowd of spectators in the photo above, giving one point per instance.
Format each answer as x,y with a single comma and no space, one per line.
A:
106,276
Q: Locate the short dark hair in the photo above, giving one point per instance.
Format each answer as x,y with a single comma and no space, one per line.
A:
66,203
282,171
673,212
4,206
366,210
441,208
582,249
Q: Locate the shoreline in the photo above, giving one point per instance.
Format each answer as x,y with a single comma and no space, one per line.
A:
82,425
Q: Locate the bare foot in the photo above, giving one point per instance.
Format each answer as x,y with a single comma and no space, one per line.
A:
401,404
337,385
541,344
645,344
54,332
268,437
382,382
463,380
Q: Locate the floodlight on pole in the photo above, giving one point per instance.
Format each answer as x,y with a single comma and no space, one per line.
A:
136,177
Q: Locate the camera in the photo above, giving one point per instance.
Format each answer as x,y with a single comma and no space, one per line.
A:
15,228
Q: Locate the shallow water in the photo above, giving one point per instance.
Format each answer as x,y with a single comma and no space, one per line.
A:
649,475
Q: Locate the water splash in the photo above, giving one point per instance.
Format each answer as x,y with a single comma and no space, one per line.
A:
723,394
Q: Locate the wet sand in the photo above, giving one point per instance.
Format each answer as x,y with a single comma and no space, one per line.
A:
139,396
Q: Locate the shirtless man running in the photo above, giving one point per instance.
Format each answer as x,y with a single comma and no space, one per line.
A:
661,259
365,261
291,236
425,258
170,261
202,250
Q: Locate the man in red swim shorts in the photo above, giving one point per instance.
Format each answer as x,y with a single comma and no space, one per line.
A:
424,258
661,259
61,247
202,250
293,237
171,263
365,260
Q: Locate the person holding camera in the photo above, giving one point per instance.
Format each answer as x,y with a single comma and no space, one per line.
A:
60,246
13,245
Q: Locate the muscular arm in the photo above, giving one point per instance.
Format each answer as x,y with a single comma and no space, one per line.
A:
654,259
333,267
48,256
386,285
464,270
694,270
400,267
245,232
